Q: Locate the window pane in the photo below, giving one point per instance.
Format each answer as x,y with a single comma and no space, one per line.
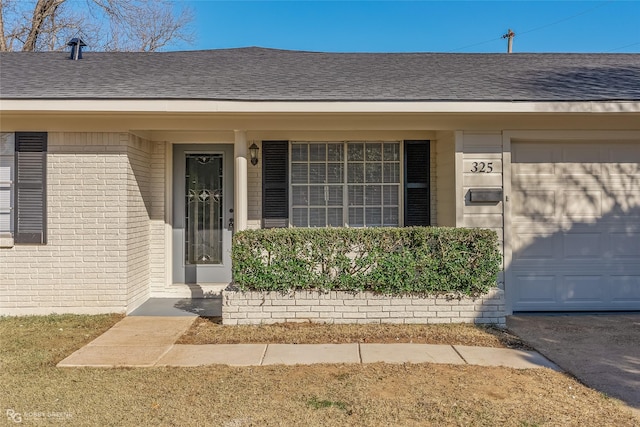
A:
7,144
5,199
373,152
390,196
300,195
373,217
392,172
391,151
356,195
356,172
299,217
334,217
334,172
356,217
355,152
317,173
299,173
316,195
368,165
6,168
373,195
5,223
335,152
299,152
317,152
373,172
335,195
317,217
390,217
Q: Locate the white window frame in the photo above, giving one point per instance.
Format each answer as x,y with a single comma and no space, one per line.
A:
345,184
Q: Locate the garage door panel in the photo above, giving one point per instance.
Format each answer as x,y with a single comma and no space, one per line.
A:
583,246
575,227
534,169
535,152
581,153
624,245
625,289
580,289
624,153
624,203
537,289
628,170
530,246
569,170
582,204
534,203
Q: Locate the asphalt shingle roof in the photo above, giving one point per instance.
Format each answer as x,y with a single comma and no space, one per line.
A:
258,74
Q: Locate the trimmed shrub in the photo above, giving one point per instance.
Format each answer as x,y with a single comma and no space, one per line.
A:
393,261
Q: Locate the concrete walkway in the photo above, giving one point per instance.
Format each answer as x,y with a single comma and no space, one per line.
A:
146,341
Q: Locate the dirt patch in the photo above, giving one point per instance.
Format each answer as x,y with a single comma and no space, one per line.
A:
209,330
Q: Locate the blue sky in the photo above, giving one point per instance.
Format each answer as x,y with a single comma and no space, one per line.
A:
418,26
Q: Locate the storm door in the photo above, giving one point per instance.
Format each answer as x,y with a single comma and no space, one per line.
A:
203,214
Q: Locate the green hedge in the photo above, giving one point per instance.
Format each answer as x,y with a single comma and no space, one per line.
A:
393,261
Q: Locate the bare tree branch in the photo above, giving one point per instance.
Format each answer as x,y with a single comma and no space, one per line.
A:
120,25
3,40
44,10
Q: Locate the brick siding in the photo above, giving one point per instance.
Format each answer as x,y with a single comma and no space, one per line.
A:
253,308
96,259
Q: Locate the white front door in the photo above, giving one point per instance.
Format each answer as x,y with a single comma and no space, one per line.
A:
202,213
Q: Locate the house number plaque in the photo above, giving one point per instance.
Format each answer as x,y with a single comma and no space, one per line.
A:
481,167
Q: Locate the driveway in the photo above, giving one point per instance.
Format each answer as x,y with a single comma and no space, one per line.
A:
602,351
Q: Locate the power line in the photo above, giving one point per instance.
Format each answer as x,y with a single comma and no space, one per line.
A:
475,44
623,47
565,19
520,33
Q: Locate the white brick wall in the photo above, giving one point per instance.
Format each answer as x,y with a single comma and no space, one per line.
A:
253,308
96,257
157,262
138,213
254,196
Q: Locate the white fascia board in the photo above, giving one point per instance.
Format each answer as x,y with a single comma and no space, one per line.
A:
267,107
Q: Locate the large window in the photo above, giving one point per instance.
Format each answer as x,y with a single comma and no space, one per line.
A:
7,162
23,177
356,184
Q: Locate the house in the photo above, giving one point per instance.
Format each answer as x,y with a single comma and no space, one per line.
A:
123,175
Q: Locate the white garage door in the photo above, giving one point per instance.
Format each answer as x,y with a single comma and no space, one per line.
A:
576,226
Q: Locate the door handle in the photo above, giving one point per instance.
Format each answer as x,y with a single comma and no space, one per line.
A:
230,224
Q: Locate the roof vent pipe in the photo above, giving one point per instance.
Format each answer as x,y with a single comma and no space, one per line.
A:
76,48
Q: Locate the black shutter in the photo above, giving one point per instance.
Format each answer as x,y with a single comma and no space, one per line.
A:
275,188
417,203
30,190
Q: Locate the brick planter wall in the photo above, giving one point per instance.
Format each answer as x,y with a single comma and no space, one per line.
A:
253,308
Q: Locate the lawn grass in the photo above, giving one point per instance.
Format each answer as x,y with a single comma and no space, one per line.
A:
317,395
209,330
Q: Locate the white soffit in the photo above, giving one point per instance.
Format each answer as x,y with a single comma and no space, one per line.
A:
266,107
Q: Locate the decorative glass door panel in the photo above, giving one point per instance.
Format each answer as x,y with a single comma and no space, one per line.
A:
202,213
203,209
